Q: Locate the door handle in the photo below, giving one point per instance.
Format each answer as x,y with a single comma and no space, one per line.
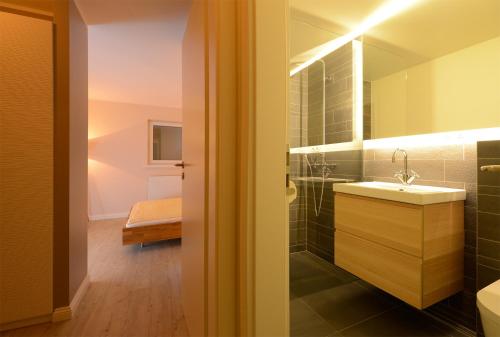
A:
490,168
179,165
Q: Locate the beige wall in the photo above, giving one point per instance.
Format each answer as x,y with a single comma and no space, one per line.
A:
118,151
271,208
69,265
78,217
454,92
151,72
26,168
306,35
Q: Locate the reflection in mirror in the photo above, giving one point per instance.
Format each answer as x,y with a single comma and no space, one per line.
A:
165,142
432,66
321,101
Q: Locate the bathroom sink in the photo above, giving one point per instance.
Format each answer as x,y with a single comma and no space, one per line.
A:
414,194
320,179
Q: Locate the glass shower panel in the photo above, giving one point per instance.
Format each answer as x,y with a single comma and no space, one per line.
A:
321,101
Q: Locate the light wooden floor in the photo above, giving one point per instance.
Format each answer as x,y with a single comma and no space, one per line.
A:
133,291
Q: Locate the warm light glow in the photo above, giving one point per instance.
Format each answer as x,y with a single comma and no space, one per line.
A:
92,163
357,108
434,139
349,146
357,65
383,13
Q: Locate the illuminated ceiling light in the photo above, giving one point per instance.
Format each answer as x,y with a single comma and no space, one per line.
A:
383,13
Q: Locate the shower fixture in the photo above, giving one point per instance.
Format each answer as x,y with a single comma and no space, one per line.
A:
326,170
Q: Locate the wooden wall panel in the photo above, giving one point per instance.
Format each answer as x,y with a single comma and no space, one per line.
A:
26,164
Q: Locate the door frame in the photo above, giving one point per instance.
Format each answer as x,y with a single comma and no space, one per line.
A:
247,213
263,264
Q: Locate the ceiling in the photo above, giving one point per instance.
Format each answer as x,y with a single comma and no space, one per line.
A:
346,13
427,30
135,50
97,12
42,5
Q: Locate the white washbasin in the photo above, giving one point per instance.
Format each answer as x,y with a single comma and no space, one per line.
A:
414,194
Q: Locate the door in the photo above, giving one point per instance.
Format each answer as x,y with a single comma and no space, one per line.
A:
194,146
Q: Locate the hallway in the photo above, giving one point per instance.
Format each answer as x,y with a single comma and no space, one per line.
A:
133,291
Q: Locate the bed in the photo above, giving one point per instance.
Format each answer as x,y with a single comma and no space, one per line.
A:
153,220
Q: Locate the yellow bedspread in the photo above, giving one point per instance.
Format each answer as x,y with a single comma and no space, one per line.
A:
152,212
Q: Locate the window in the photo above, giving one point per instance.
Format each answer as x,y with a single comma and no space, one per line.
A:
165,142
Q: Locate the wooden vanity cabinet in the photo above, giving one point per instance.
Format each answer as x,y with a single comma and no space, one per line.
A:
414,252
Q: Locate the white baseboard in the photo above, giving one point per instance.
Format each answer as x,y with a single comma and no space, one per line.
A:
61,314
98,217
80,293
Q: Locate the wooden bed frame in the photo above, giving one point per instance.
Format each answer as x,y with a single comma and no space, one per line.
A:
151,233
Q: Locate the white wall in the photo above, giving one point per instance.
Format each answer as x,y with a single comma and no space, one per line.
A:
135,75
118,170
135,62
455,92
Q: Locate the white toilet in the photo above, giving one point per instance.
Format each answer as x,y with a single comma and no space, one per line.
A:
488,302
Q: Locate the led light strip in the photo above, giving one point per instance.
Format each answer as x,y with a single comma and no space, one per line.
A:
348,146
357,105
434,139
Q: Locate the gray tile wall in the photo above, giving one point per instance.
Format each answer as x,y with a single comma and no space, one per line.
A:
297,209
297,113
305,128
367,110
305,122
320,228
339,92
488,194
297,137
315,105
452,166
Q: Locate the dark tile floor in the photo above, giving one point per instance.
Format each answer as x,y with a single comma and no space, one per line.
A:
326,301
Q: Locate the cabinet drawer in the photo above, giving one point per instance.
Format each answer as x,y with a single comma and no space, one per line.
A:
392,224
395,272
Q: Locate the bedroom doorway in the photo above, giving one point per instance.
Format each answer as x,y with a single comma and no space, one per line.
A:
135,129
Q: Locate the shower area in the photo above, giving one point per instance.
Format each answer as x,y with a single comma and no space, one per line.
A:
320,113
320,120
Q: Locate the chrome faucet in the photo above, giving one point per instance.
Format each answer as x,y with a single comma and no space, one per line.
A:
402,175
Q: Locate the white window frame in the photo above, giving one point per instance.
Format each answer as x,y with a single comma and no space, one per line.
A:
151,125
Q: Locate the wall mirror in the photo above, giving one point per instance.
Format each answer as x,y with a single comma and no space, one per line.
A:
321,101
427,67
165,142
434,68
